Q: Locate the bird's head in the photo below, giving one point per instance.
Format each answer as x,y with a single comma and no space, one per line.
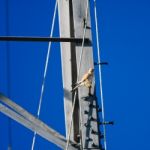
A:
91,70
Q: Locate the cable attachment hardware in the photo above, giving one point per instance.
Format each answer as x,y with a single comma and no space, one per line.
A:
89,98
97,133
92,119
100,63
99,109
86,112
102,136
87,125
94,132
84,22
94,145
91,105
88,139
106,123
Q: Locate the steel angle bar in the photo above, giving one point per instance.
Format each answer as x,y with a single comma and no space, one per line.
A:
42,39
32,124
13,115
25,114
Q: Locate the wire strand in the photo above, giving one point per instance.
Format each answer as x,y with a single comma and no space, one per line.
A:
8,74
100,73
45,72
80,60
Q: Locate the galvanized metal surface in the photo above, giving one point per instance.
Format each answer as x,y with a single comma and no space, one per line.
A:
66,58
87,103
20,115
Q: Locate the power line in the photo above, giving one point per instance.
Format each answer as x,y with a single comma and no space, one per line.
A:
8,74
100,74
45,72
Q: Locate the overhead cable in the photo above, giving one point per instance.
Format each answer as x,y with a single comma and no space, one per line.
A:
45,73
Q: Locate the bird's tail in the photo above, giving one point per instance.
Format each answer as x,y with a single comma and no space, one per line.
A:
75,87
77,83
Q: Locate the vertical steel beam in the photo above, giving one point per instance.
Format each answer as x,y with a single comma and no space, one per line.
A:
72,15
88,120
69,67
65,31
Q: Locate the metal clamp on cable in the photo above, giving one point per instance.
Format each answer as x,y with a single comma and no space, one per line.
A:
106,123
100,63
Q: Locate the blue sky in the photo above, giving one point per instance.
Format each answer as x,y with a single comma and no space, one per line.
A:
124,40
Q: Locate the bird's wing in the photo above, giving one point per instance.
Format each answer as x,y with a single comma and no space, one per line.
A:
85,77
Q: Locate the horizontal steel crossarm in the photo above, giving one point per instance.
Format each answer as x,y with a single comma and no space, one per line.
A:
42,39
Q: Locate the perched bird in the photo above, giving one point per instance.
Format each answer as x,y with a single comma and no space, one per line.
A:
85,81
